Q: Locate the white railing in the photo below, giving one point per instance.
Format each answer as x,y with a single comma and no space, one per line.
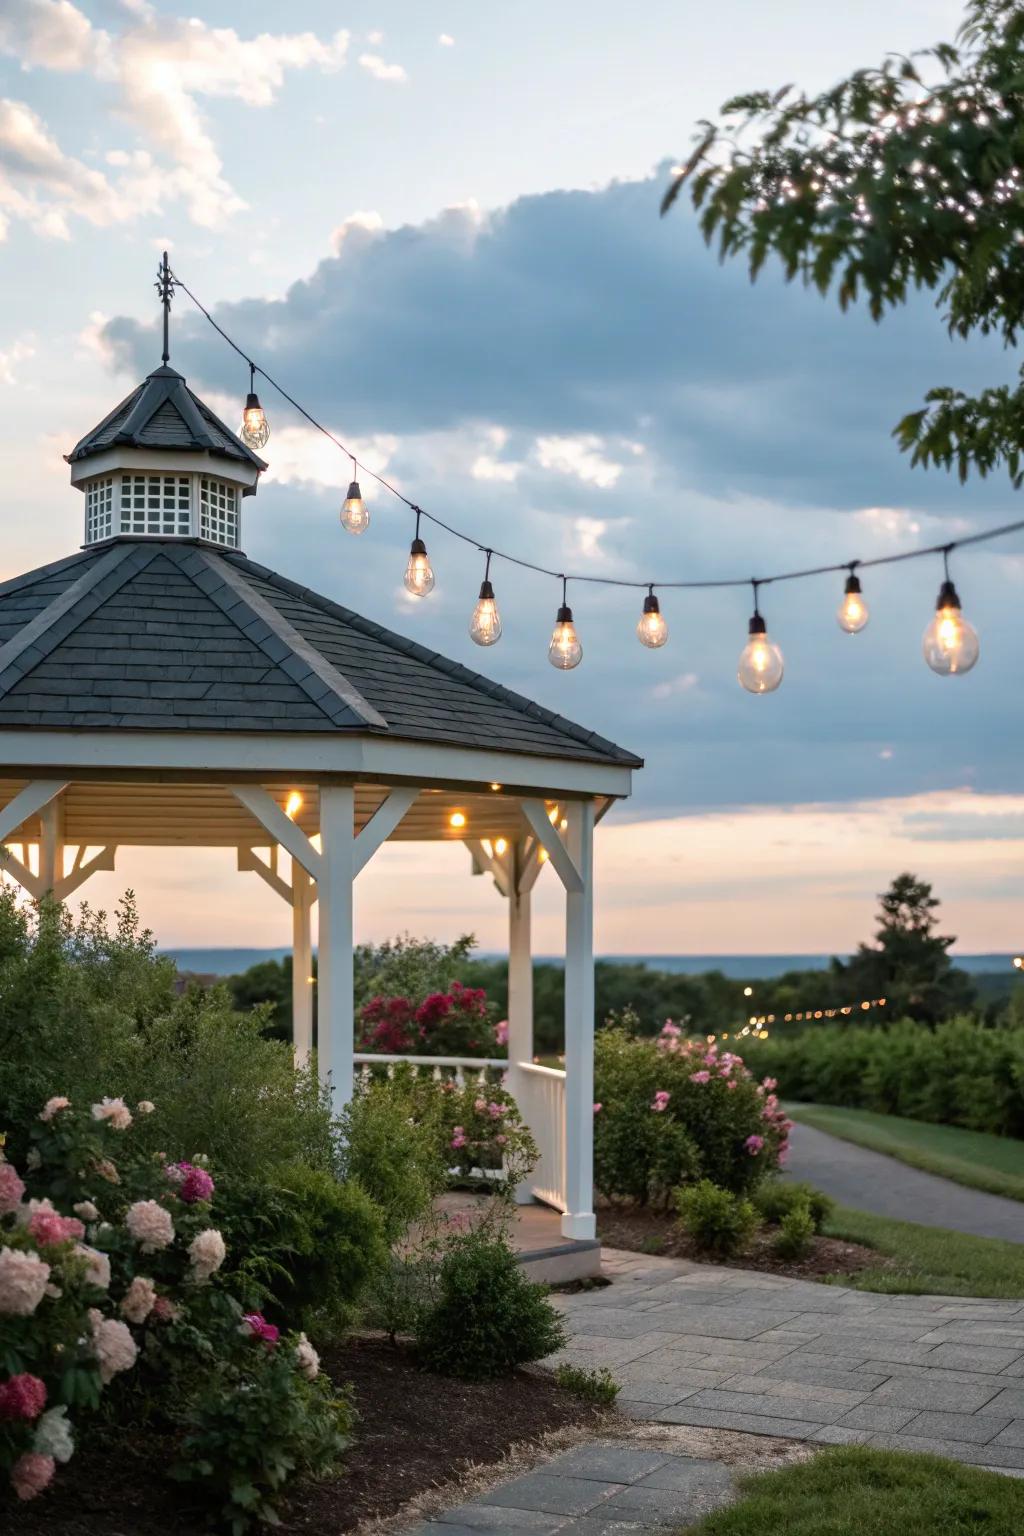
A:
540,1094
461,1069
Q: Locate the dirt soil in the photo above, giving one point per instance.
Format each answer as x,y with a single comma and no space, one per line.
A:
416,1431
654,1232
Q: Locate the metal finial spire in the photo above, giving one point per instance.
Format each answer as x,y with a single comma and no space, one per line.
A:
165,288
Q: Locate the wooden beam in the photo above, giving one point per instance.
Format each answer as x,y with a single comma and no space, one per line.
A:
491,863
380,826
20,872
528,865
28,802
551,841
265,809
249,861
79,873
578,1219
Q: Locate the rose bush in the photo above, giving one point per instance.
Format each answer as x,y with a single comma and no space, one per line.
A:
672,1111
456,1022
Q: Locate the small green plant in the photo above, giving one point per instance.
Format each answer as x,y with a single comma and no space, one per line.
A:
774,1200
716,1220
796,1232
487,1318
597,1387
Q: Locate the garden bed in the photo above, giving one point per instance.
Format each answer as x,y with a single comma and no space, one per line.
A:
416,1431
642,1230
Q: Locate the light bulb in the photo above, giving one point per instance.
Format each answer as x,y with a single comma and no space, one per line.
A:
853,610
485,625
760,668
950,644
355,515
565,650
419,573
255,432
652,630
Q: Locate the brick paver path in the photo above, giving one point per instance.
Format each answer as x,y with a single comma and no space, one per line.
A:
733,1349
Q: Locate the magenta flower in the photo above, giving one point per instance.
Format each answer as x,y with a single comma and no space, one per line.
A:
194,1184
22,1397
48,1227
668,1028
660,1101
458,1137
496,1111
598,1108
754,1144
259,1328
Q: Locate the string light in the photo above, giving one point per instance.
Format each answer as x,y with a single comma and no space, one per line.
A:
254,430
419,573
355,514
853,610
760,669
485,625
565,650
950,644
652,630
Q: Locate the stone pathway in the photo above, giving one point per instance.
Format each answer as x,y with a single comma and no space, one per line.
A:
733,1349
871,1181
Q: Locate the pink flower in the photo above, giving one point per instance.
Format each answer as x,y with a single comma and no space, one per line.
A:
670,1029
97,1266
496,1111
206,1253
22,1397
114,1110
598,1108
769,1083
139,1300
500,1141
106,1170
150,1225
480,1105
660,1101
23,1281
501,1032
164,1310
86,1210
53,1107
259,1328
32,1473
193,1183
11,1189
113,1345
754,1144
700,1077
458,1137
731,1085
48,1227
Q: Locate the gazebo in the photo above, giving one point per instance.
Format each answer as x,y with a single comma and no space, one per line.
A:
157,688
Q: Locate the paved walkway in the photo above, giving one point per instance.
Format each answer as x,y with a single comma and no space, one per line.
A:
733,1349
873,1182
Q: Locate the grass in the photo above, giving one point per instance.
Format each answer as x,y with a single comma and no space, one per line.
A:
992,1163
929,1261
854,1491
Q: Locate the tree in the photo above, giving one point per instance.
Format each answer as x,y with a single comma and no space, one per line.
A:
904,176
909,963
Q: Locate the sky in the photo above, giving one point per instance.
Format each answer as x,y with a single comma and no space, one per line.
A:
438,226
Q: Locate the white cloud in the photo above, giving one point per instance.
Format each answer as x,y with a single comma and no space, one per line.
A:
18,352
686,682
446,40
581,456
380,70
361,224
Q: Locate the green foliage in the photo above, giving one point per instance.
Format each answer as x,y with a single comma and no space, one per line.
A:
774,1200
909,964
487,1317
900,177
796,1232
929,1261
392,1146
598,1387
716,1220
408,967
267,985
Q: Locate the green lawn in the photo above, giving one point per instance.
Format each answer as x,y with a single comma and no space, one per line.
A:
930,1260
992,1163
853,1491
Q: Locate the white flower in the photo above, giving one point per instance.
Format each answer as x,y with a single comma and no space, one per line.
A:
114,1110
53,1107
113,1345
307,1359
97,1265
150,1225
206,1254
86,1211
53,1435
137,1302
33,1159
144,1107
23,1280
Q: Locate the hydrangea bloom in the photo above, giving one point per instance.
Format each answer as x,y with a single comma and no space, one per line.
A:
23,1279
53,1107
307,1359
22,1397
32,1473
256,1325
113,1345
11,1189
97,1265
150,1225
138,1300
660,1101
206,1254
193,1183
53,1435
116,1111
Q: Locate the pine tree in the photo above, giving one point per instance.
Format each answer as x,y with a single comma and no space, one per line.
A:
909,963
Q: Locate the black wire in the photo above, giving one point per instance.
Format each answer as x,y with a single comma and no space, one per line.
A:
600,581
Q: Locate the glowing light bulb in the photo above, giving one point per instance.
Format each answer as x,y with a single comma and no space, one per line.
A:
565,650
500,847
853,610
457,819
293,805
419,573
760,668
950,644
355,515
255,431
485,625
652,629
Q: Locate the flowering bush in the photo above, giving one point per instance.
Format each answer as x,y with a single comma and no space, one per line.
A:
456,1022
672,1111
481,1133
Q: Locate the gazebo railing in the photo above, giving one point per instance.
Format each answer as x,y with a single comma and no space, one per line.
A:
461,1069
540,1094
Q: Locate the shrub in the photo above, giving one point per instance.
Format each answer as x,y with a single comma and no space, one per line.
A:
392,1145
452,1023
671,1111
482,1135
598,1387
487,1318
716,1220
796,1232
774,1200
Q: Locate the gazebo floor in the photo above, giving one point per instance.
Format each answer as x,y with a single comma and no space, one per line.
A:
536,1235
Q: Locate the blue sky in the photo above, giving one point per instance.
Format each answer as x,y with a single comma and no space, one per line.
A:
439,225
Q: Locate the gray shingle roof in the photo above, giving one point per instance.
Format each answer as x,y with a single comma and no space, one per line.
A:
172,635
162,412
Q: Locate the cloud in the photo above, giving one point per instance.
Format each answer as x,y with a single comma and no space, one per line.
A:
18,352
446,40
376,66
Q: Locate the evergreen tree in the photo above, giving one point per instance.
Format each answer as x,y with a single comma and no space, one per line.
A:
909,962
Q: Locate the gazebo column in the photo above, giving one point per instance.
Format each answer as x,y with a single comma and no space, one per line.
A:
335,1009
51,845
579,1219
302,965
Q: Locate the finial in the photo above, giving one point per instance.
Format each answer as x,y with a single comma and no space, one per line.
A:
165,289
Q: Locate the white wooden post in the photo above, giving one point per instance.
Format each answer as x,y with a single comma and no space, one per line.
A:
302,965
520,988
335,1011
578,1220
51,846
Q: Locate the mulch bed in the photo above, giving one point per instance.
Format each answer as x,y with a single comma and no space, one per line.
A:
416,1431
653,1232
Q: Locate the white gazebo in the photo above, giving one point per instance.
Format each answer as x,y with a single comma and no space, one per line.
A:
159,689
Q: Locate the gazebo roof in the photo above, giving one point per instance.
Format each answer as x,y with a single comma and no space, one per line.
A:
162,412
174,636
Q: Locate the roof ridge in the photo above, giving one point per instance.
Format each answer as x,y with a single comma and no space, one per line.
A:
455,669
